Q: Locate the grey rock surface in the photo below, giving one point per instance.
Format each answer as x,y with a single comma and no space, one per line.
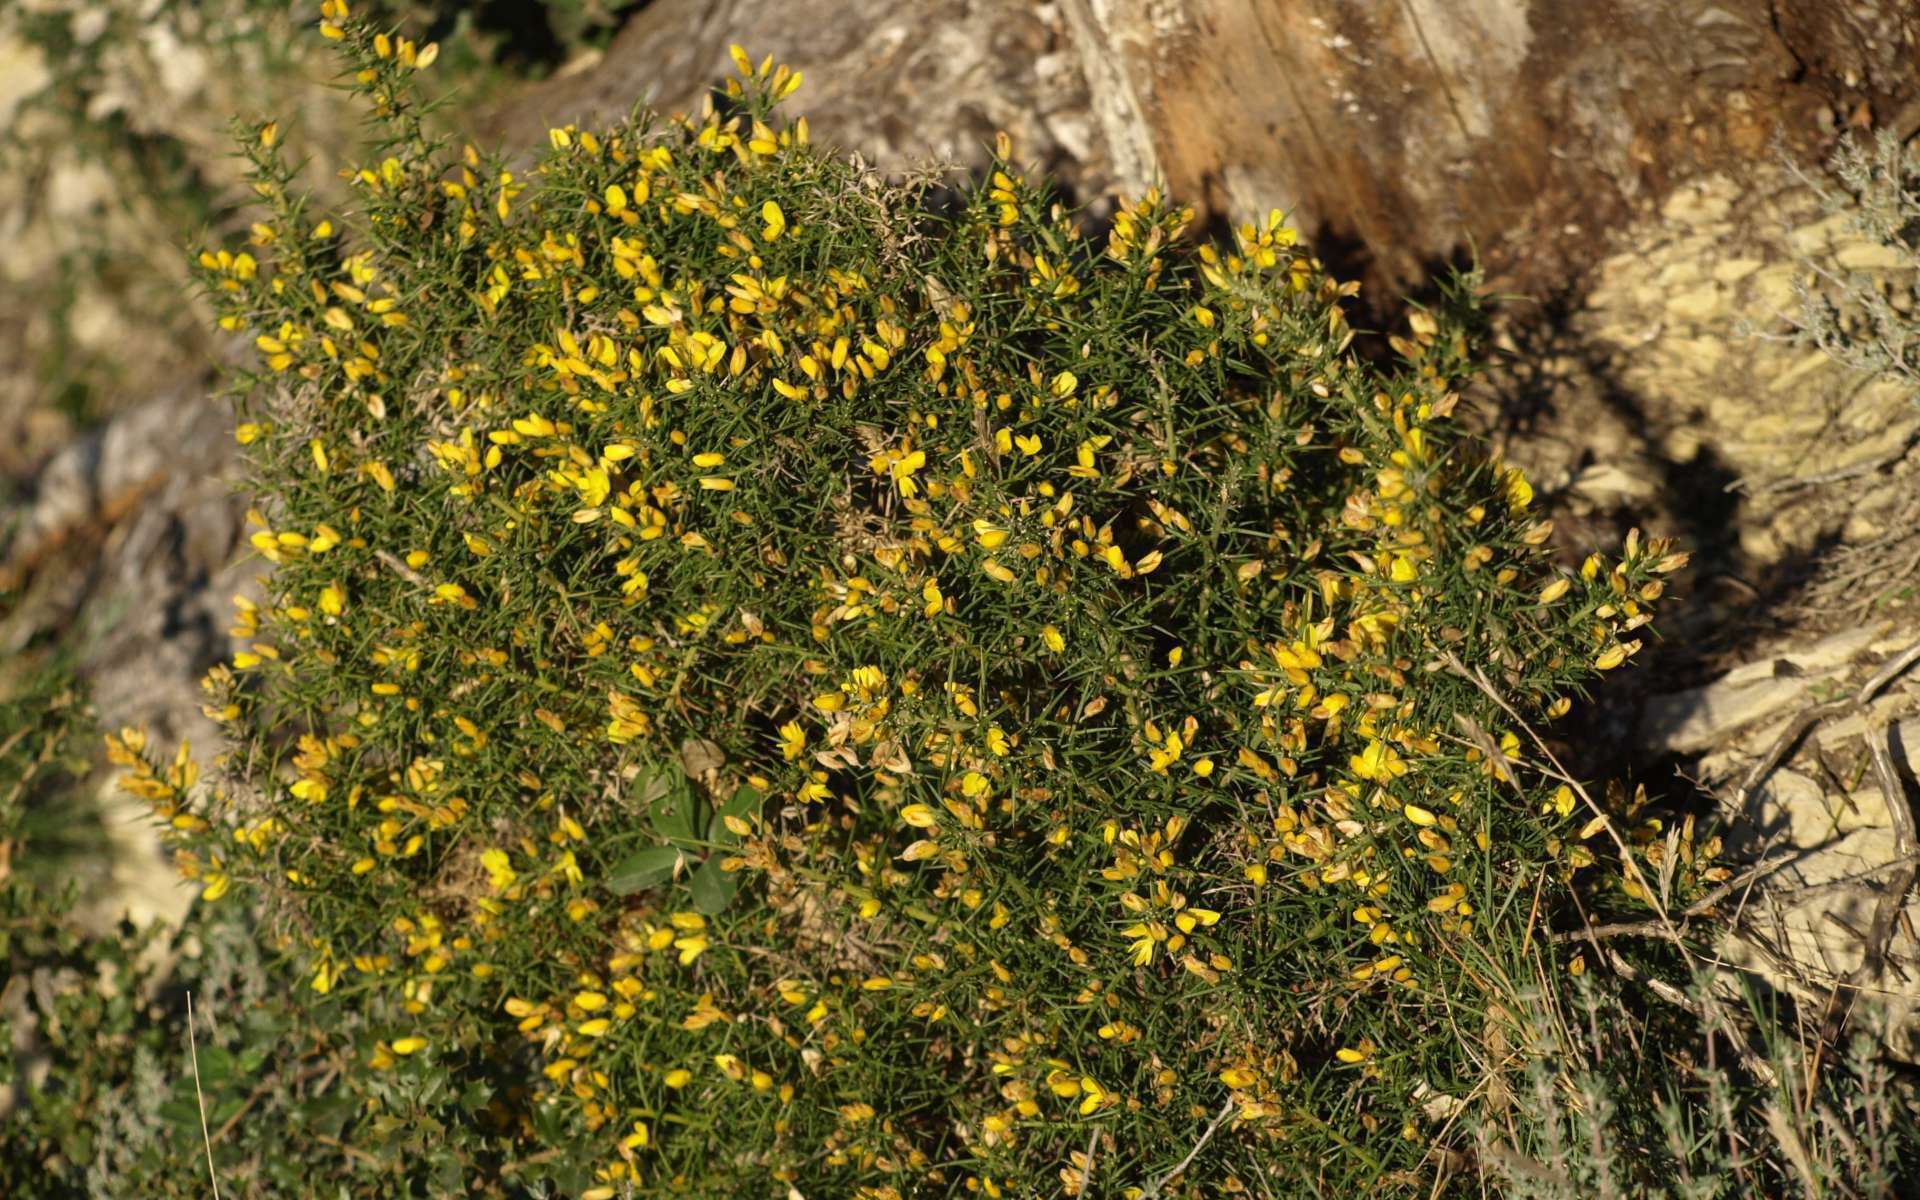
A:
1529,127
902,82
128,555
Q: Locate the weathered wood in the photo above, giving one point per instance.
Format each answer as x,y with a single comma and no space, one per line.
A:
1405,128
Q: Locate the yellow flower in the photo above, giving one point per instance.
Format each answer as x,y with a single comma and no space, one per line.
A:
499,868
991,536
1379,762
1093,1095
1144,942
640,1137
1519,491
1168,753
333,599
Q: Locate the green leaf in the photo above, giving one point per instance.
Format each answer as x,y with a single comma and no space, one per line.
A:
328,1114
643,869
713,889
654,785
184,1113
219,1114
475,1096
745,802
216,1066
672,807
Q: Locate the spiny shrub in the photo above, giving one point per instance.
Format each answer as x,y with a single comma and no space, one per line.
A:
102,1094
830,688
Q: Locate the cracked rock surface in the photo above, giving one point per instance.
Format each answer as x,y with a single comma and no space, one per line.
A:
130,554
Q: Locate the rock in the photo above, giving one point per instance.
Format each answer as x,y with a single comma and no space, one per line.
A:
1822,656
1886,709
1682,271
1606,483
1773,290
900,81
23,71
1697,204
1694,720
1697,304
1701,718
133,543
1820,236
1808,920
1788,804
1811,361
1703,354
1873,256
1411,126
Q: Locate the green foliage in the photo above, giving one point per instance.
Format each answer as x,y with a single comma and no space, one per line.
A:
105,165
1862,313
771,680
1588,1115
98,1089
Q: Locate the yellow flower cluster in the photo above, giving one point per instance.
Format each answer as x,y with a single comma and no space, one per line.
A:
863,697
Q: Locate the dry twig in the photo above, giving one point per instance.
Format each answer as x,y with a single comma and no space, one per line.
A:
193,1052
1893,897
1852,471
393,563
1698,908
1153,1189
1754,1063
